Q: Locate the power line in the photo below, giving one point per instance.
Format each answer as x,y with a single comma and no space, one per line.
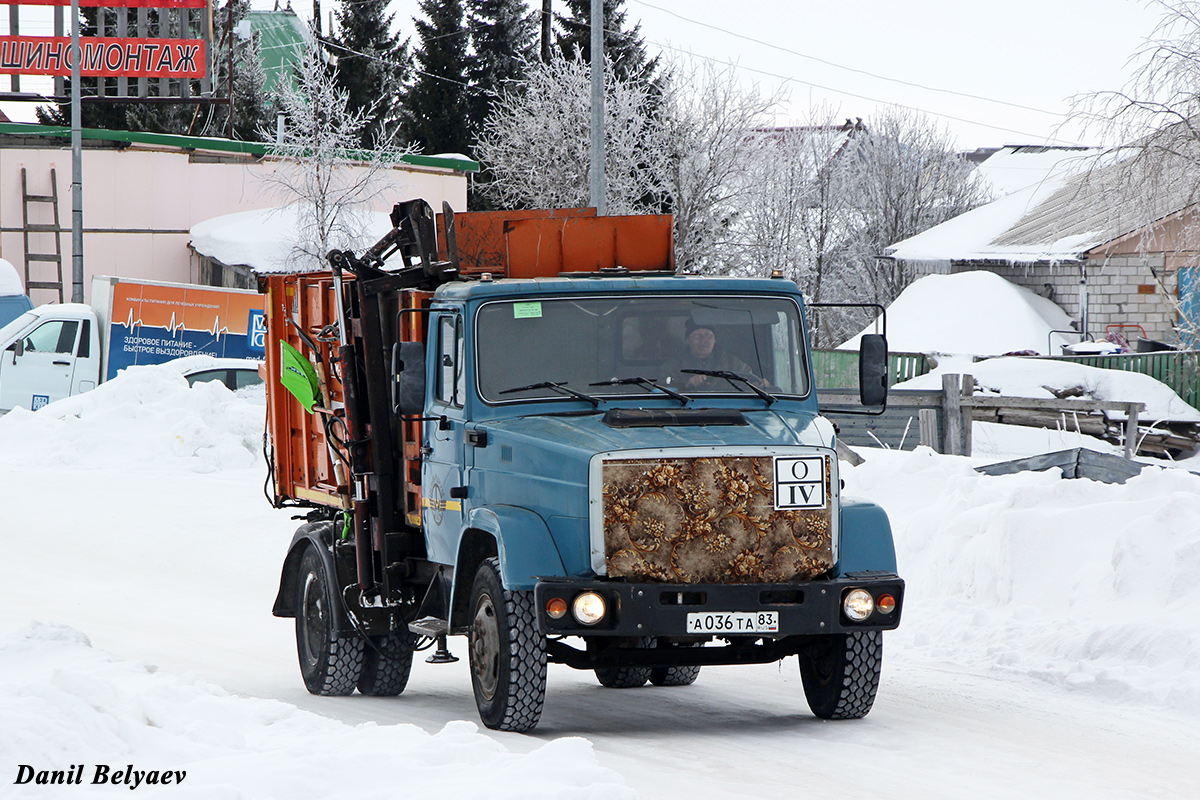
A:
846,68
790,79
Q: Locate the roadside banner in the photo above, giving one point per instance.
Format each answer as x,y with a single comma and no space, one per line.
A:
103,57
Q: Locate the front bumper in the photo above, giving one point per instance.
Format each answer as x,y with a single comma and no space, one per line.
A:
655,609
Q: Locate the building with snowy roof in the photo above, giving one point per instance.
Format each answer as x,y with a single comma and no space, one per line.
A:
143,193
1075,235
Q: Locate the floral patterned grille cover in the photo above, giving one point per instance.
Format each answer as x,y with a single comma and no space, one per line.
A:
709,520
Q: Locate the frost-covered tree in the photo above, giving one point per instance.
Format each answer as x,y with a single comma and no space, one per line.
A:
436,106
536,141
904,176
373,64
708,118
320,142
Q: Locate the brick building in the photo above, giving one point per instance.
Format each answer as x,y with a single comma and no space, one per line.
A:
1076,237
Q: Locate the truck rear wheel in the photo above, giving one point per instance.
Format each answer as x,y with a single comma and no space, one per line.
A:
675,676
840,673
626,677
507,654
330,665
387,663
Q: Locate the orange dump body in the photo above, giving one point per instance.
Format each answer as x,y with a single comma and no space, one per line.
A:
505,244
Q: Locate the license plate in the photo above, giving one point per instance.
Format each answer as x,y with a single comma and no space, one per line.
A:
734,622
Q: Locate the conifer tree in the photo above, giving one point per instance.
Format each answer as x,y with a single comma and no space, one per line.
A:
624,48
504,40
372,64
436,108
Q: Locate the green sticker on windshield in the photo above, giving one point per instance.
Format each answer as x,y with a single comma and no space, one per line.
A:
527,310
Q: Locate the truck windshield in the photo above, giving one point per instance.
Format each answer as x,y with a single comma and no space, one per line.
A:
587,344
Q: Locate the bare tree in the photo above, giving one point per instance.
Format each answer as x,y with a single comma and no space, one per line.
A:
904,176
321,166
1151,167
535,141
709,122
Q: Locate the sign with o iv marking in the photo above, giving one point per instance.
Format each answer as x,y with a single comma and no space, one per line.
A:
799,482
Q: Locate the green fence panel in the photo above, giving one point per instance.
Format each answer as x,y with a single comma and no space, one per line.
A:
1178,369
838,369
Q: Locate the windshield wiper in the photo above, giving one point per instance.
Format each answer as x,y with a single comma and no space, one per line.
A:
646,383
733,377
558,387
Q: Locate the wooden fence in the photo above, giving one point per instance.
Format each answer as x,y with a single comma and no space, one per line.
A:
1178,369
942,419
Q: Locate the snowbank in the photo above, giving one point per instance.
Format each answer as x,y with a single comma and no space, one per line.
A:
64,703
145,419
969,312
1089,586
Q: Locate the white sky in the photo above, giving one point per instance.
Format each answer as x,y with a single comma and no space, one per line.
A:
1031,53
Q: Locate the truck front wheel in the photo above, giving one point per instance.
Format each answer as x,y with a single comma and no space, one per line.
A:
508,655
840,673
330,665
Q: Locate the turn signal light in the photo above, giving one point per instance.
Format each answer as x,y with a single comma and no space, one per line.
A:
885,603
556,608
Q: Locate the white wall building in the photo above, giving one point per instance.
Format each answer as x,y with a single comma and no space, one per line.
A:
142,193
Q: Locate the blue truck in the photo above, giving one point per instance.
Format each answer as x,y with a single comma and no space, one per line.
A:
530,431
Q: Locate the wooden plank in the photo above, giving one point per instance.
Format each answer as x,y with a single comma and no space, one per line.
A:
1051,404
952,413
927,419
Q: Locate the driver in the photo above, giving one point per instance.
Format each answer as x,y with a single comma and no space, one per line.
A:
703,353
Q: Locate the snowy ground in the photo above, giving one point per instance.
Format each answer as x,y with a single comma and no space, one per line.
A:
1050,645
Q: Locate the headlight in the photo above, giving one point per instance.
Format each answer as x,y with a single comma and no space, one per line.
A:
588,608
858,604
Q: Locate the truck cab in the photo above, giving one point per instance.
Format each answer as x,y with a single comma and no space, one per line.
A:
48,353
622,471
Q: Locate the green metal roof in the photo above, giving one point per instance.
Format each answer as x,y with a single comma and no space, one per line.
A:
205,143
282,39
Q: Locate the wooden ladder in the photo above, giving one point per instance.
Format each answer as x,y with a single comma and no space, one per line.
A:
41,228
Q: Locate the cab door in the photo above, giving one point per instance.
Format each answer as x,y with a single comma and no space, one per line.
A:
38,368
444,470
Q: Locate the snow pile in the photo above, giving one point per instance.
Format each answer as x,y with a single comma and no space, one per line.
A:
969,312
10,282
64,703
1087,585
1028,377
150,418
266,239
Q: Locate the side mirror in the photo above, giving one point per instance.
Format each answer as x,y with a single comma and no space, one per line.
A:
18,347
873,370
408,378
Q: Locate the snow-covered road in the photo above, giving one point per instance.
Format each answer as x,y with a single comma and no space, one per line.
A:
1050,646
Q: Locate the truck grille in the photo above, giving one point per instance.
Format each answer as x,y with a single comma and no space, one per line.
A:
712,520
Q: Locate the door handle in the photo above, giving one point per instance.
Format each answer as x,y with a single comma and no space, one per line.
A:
62,363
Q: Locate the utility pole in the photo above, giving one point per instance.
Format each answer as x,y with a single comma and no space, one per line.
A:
76,162
546,17
596,183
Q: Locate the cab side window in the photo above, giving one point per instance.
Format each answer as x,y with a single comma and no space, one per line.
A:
56,336
449,371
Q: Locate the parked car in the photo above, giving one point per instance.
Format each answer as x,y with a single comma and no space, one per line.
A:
236,373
